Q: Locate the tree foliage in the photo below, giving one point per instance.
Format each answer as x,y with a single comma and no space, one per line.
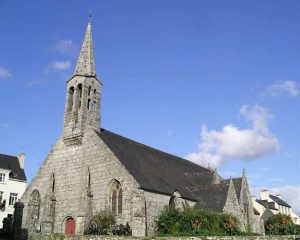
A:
280,224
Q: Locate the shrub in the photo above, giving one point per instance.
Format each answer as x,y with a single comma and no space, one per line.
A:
280,224
193,222
122,230
104,223
101,224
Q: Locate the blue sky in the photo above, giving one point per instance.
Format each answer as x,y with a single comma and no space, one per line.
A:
214,81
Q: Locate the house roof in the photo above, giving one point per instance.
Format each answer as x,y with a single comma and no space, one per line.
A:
12,163
279,201
155,170
214,197
266,204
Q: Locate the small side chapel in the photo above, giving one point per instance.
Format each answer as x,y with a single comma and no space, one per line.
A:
90,169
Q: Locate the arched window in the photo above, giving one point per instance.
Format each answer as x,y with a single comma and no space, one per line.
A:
70,99
33,211
90,89
116,195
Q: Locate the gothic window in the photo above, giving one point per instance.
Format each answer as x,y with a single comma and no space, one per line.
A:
116,196
90,89
120,201
95,91
70,98
114,202
33,211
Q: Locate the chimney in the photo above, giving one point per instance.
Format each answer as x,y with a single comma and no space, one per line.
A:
21,158
264,194
279,196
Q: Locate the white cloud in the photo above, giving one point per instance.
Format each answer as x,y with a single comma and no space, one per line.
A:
64,46
234,143
289,193
60,65
288,87
205,159
4,73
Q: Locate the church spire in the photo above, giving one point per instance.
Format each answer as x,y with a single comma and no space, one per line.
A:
83,98
86,61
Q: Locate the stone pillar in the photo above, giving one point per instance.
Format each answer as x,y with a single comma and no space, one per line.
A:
17,222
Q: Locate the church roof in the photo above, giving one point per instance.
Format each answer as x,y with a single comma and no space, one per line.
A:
12,163
86,61
213,197
155,170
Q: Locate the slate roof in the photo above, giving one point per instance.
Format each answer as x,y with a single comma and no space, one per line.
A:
214,197
155,170
279,201
12,163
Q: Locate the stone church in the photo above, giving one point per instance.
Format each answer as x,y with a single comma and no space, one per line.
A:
90,169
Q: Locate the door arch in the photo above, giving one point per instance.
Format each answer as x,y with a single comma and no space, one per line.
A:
70,226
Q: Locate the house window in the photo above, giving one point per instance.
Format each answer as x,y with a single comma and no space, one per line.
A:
13,198
116,196
1,196
2,177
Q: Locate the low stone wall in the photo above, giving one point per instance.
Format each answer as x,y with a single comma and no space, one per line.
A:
82,237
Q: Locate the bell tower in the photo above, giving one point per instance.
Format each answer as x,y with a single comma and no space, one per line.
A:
83,96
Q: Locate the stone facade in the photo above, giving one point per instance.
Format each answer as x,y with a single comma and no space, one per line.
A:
84,174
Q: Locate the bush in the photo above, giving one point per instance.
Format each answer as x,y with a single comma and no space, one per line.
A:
104,223
101,224
280,224
122,230
193,222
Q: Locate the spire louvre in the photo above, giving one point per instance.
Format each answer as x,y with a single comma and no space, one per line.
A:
86,62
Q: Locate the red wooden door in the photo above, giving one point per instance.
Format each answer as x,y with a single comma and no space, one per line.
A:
70,226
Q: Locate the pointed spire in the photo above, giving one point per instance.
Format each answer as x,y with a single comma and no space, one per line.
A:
86,61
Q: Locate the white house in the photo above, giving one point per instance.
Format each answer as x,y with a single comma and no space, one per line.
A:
12,183
269,205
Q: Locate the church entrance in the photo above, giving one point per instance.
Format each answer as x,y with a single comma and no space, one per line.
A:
70,226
